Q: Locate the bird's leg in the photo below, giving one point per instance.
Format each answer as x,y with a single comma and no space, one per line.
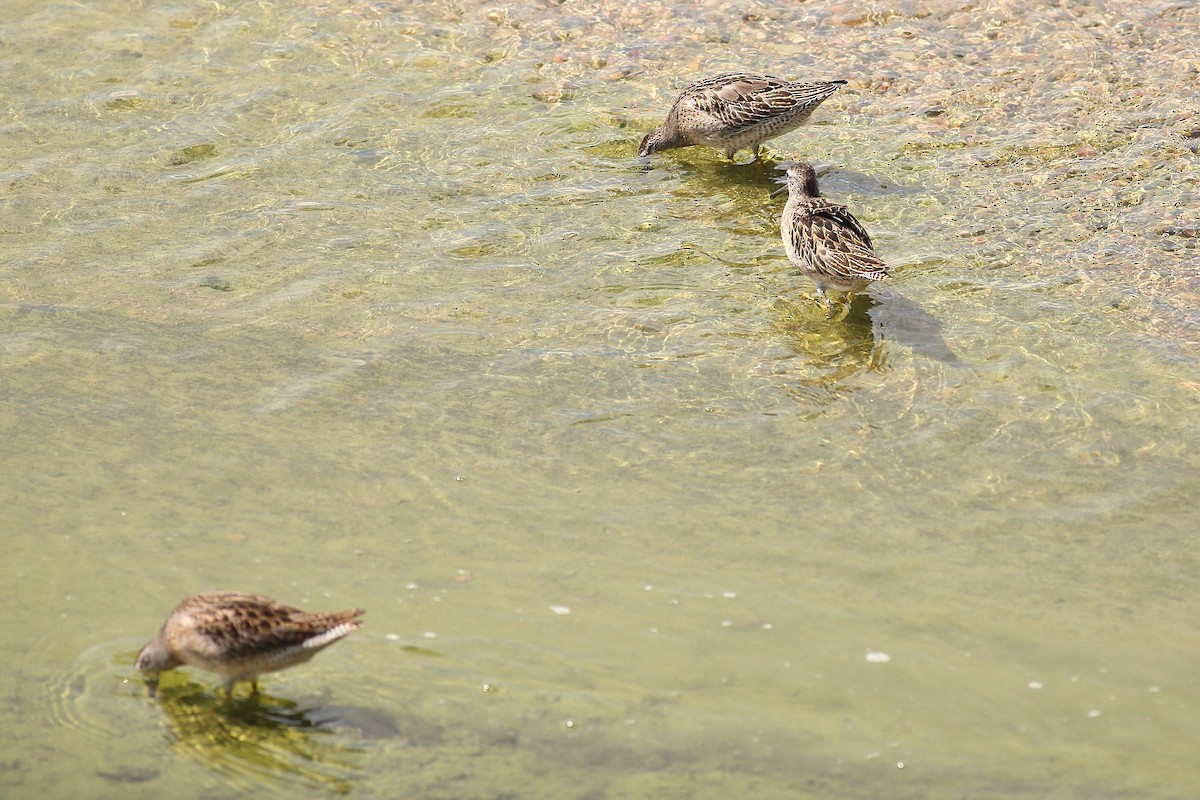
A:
844,309
730,152
828,303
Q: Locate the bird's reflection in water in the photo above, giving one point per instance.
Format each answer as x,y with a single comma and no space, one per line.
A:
837,348
257,740
857,338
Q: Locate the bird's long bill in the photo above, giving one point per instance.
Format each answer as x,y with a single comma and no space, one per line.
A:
779,191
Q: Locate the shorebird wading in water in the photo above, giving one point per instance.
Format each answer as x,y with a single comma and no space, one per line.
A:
824,239
239,636
737,110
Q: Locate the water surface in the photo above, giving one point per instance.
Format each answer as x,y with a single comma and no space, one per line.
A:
370,304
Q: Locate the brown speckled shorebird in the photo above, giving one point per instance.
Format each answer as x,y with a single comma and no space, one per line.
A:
239,636
737,110
824,239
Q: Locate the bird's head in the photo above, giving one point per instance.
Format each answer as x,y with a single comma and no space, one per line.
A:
155,657
801,179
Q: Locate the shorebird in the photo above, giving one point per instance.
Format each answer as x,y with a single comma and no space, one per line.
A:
239,636
737,110
824,239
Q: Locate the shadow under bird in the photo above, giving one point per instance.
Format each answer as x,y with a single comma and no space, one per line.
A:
240,636
737,110
824,239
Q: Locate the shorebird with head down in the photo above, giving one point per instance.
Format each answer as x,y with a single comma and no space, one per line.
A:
737,110
240,636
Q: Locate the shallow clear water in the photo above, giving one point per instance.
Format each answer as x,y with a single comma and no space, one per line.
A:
370,304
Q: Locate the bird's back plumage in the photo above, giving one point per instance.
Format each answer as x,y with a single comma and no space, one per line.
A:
826,232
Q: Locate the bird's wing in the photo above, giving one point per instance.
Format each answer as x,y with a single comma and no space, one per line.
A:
740,102
842,243
245,625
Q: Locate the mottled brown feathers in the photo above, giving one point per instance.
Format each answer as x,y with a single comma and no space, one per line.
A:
243,624
240,636
824,239
737,110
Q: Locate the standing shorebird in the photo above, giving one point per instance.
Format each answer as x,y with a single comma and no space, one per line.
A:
737,110
824,239
239,636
